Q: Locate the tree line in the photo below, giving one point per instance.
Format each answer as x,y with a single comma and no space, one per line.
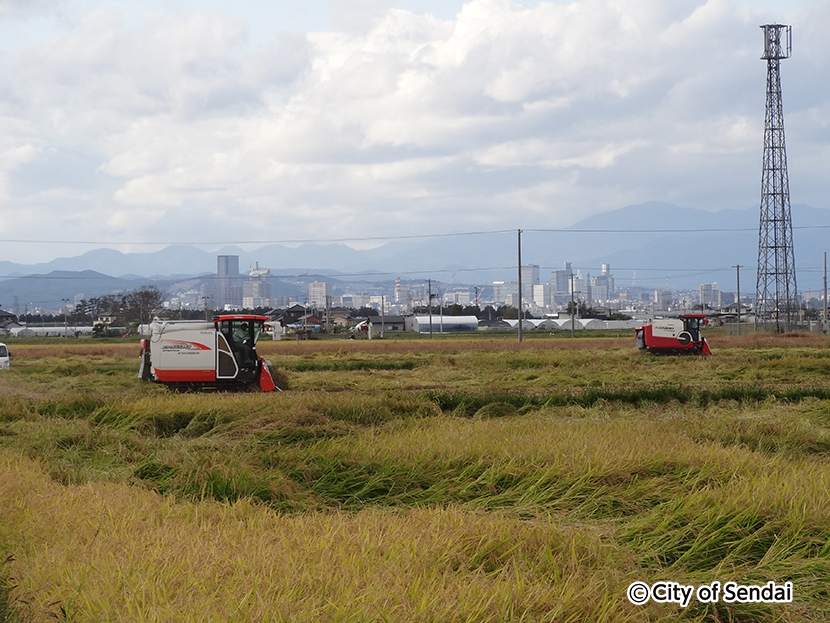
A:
131,308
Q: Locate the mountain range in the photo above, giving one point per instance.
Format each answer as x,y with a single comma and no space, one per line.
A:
652,245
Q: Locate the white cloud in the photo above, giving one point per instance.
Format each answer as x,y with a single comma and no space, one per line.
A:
504,115
357,16
22,8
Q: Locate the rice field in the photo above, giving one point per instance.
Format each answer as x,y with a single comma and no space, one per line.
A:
418,480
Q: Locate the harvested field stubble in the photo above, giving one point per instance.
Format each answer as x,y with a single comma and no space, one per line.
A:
440,482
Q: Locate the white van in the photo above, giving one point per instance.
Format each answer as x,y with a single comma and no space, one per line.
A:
4,356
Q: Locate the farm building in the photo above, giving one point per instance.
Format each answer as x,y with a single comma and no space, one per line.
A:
546,325
622,324
449,324
388,324
493,325
59,331
527,325
565,324
7,321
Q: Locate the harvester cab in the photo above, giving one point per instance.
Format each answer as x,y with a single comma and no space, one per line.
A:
675,336
192,354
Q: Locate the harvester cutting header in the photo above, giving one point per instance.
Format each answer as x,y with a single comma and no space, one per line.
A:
195,354
674,336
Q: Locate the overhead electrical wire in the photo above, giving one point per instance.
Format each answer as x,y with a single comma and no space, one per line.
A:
702,230
688,271
359,276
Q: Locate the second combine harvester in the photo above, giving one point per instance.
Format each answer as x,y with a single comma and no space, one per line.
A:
674,336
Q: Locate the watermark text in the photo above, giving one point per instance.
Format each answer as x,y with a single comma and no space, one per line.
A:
640,593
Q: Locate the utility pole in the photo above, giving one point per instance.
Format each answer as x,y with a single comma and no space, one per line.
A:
738,267
65,324
824,326
429,288
328,313
382,317
573,308
441,312
520,284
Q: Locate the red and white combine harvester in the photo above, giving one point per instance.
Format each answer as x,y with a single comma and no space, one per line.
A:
195,354
675,336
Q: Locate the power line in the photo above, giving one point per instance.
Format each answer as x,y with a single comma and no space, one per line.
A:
708,230
248,241
423,271
703,230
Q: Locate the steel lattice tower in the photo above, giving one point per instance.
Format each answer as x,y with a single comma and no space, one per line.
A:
776,302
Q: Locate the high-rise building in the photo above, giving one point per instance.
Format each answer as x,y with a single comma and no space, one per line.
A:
256,291
498,292
228,283
599,293
606,279
530,278
577,286
560,280
318,293
662,299
709,295
510,293
541,295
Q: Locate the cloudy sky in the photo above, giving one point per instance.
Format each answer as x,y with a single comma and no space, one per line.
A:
212,121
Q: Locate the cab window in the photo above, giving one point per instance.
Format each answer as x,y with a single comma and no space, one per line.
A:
242,336
693,327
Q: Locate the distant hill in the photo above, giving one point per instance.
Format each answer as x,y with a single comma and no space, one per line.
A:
647,258
49,290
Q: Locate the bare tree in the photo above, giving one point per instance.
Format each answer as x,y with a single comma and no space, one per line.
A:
141,303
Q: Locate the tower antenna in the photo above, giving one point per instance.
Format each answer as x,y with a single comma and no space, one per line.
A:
776,294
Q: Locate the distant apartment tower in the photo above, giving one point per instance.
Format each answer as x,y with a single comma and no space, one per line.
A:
606,280
319,293
530,278
361,300
709,295
560,280
256,291
399,296
403,298
578,286
541,295
662,299
498,292
598,291
228,290
510,293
